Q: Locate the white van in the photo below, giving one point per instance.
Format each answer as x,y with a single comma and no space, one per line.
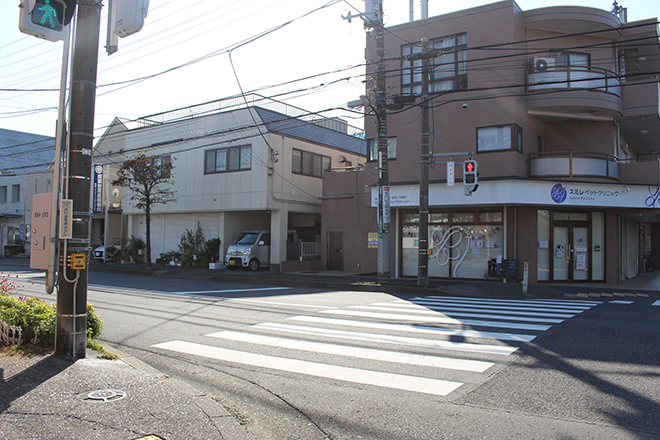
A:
252,249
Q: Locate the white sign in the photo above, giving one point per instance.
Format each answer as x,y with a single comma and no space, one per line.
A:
450,173
66,220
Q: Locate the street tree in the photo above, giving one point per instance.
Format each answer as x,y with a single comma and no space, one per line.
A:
149,179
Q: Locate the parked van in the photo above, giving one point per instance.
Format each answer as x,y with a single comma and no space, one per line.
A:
252,249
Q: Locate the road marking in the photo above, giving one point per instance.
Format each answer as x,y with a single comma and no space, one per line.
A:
281,303
500,306
621,302
356,352
201,292
439,319
657,303
457,311
417,329
345,374
388,339
552,302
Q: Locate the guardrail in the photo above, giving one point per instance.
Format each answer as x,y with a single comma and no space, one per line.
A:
573,164
574,78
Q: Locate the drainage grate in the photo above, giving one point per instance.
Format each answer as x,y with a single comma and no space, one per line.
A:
103,396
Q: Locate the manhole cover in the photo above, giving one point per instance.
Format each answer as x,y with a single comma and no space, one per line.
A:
103,396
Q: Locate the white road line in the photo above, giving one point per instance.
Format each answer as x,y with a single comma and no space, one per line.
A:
455,308
417,329
657,303
388,339
281,303
346,374
357,352
497,306
440,320
467,315
621,302
200,292
536,301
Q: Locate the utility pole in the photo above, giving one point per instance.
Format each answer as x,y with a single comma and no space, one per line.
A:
383,173
425,160
71,323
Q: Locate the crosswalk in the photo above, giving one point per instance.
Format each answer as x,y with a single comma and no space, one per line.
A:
430,345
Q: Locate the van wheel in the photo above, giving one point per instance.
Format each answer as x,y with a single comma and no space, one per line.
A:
254,265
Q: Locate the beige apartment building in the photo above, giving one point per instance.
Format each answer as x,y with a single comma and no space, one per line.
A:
559,107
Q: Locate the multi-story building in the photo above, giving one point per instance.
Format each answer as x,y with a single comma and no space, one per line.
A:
559,108
236,167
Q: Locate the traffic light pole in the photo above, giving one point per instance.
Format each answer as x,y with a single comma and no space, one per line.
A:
71,323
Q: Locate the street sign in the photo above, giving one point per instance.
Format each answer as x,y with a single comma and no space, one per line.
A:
450,173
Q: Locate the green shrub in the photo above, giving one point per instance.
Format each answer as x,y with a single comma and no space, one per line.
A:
36,318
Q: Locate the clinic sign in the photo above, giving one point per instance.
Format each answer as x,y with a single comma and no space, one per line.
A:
97,190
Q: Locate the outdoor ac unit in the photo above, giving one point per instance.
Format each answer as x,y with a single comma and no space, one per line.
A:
542,63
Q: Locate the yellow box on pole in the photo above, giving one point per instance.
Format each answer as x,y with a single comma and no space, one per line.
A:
78,261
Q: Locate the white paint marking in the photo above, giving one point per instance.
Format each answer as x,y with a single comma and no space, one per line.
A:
502,306
417,329
621,302
388,339
468,315
440,320
334,372
538,301
657,303
356,352
449,310
201,292
280,303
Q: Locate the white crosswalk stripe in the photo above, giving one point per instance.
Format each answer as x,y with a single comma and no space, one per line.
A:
409,345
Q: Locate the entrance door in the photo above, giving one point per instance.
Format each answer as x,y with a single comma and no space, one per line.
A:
335,251
570,250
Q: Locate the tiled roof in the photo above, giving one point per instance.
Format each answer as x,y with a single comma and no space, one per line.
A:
25,152
296,128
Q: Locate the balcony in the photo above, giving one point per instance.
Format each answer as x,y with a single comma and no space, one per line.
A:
573,78
573,164
568,165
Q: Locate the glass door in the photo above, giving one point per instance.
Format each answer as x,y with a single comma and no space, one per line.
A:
570,260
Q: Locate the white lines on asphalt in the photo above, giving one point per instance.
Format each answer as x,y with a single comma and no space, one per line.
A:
657,303
458,311
356,352
545,302
281,303
346,374
499,306
621,302
388,339
439,319
416,329
203,292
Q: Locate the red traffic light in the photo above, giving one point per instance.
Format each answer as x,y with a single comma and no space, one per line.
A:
469,167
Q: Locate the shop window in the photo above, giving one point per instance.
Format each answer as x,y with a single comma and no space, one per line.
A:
462,217
490,217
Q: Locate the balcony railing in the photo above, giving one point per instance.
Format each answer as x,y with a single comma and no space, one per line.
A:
573,164
574,78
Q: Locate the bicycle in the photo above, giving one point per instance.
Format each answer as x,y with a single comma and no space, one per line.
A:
649,264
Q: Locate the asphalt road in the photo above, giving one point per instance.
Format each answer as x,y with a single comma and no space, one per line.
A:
302,364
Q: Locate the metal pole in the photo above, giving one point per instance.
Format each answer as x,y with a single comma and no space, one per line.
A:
71,321
383,174
423,259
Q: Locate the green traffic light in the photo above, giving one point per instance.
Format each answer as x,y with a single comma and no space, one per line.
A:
48,15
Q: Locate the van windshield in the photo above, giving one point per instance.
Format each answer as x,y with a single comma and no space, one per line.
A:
248,238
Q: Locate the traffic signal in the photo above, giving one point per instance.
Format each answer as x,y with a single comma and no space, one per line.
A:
47,19
470,176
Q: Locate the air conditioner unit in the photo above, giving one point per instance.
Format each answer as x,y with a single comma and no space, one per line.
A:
542,63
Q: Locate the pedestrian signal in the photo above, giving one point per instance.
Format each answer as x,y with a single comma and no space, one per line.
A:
47,19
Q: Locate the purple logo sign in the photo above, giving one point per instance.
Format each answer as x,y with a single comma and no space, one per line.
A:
558,193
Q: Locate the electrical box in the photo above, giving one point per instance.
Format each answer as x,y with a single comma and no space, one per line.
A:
78,261
129,16
40,242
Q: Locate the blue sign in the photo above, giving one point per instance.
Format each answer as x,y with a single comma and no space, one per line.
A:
558,193
97,190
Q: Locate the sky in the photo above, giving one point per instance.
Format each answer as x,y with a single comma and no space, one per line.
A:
182,54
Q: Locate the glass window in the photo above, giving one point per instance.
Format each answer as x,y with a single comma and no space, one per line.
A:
309,164
15,193
440,218
490,217
411,218
571,59
543,252
462,217
373,149
503,137
228,159
3,194
448,69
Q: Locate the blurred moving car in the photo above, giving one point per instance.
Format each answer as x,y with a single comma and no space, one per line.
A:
100,252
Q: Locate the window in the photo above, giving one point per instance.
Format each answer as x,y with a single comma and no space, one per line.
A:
502,137
564,59
15,193
309,164
448,69
228,159
3,194
163,160
391,149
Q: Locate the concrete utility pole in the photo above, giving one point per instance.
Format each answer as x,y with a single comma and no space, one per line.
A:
70,338
383,173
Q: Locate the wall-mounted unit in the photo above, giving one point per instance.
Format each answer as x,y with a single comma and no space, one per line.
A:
542,63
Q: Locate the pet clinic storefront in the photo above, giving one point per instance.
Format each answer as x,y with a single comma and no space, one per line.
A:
567,232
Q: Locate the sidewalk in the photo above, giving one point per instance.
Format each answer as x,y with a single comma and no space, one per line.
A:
49,397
